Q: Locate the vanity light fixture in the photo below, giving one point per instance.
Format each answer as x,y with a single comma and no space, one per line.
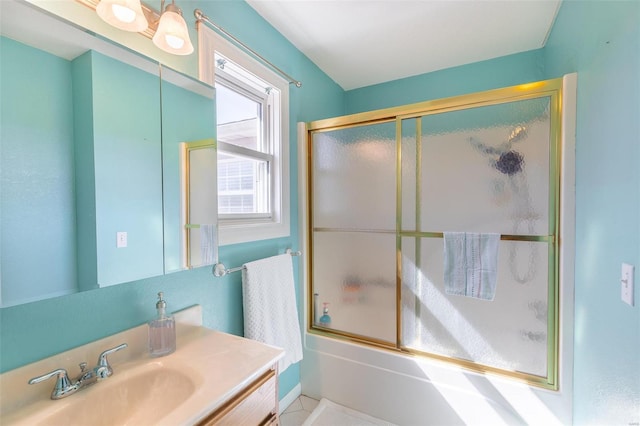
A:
123,14
172,34
166,28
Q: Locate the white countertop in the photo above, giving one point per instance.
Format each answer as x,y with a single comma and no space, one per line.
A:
218,364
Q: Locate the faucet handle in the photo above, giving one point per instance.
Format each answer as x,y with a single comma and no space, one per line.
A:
63,386
84,373
104,369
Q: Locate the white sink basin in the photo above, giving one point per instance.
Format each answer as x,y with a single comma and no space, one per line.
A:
143,397
206,370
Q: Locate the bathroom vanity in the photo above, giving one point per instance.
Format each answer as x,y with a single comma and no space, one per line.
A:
211,378
256,404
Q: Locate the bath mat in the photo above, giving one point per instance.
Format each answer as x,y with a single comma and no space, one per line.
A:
328,413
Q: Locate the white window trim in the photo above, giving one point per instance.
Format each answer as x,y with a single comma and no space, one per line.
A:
252,230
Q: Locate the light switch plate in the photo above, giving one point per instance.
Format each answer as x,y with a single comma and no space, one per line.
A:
626,284
121,239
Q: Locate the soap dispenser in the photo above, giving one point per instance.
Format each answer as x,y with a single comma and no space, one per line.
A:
162,331
325,319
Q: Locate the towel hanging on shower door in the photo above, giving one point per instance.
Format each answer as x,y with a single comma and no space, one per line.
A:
471,264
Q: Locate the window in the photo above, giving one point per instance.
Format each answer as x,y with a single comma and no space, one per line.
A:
252,106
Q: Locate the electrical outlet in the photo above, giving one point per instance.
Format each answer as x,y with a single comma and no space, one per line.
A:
626,284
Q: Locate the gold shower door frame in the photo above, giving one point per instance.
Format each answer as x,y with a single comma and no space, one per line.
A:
551,89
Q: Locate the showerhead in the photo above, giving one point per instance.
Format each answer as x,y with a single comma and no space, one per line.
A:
517,134
509,163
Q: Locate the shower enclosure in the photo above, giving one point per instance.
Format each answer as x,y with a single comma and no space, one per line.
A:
385,187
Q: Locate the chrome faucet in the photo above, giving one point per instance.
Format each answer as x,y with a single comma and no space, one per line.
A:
65,387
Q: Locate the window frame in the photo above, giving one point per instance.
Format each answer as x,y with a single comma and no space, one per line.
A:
246,228
260,92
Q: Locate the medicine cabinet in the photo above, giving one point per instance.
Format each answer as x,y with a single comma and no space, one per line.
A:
91,135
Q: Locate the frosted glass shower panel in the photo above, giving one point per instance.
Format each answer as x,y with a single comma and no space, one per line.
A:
354,181
486,169
360,292
508,333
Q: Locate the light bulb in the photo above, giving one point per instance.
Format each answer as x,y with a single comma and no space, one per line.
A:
123,13
172,34
174,41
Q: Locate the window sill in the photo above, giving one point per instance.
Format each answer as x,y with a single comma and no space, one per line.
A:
247,232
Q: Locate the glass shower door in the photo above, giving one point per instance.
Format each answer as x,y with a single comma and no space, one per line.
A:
477,170
404,199
353,231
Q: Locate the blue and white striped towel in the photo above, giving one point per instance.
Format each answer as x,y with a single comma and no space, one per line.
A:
471,264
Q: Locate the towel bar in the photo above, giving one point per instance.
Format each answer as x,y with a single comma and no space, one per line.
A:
219,270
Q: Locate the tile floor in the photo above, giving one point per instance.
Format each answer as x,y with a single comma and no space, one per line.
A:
298,411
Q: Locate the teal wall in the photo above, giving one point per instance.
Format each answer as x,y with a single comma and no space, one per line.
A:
37,174
492,74
84,162
128,170
118,170
601,41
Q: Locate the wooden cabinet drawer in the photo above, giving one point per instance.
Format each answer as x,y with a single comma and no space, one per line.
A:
254,405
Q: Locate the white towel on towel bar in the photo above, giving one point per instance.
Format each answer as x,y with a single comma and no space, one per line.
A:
270,310
471,264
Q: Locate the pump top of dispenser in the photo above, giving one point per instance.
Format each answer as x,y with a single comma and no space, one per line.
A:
161,304
162,331
325,319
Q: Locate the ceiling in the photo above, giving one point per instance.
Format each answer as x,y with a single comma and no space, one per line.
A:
359,43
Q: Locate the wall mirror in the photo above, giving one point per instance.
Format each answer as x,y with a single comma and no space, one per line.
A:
90,158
